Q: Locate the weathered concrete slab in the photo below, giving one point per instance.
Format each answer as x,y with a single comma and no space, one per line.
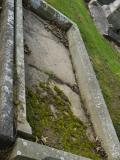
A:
6,73
92,96
25,150
22,124
47,53
46,11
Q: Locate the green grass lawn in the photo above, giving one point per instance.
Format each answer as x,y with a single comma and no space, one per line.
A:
105,59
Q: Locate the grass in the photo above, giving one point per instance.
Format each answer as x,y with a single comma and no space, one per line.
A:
57,126
105,59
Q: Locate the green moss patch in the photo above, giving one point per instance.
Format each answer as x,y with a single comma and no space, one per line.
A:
52,121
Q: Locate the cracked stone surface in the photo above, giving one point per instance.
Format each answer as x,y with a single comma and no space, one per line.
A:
45,56
47,53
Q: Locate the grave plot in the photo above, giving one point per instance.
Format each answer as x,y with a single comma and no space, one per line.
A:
54,108
49,93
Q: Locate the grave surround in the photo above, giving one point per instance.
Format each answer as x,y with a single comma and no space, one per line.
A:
87,82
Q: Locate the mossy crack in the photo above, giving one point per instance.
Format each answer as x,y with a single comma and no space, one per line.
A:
53,77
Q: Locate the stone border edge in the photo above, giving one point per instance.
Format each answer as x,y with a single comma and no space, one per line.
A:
23,127
7,125
92,96
27,150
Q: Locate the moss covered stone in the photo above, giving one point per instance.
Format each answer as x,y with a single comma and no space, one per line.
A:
49,114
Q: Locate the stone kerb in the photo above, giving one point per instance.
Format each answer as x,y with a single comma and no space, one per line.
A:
46,11
6,73
23,127
26,150
92,96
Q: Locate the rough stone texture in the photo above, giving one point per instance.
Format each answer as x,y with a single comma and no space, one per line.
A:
114,19
99,17
44,10
111,8
6,73
34,76
25,150
107,25
113,36
92,96
22,124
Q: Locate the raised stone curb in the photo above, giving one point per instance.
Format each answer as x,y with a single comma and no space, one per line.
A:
26,150
46,11
22,125
91,95
6,73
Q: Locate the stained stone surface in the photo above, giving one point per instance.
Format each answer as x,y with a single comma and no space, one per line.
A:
22,124
106,19
26,150
114,19
99,17
6,73
46,11
91,93
46,51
